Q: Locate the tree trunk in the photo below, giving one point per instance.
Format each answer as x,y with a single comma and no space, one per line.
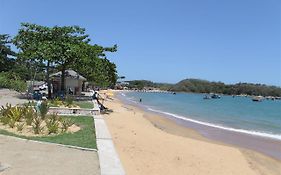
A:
62,80
48,80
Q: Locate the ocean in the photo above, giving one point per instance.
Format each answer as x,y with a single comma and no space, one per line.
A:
238,114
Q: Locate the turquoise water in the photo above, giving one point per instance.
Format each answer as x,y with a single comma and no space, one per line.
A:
239,114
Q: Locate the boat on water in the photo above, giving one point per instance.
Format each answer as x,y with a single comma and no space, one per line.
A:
206,97
215,96
257,99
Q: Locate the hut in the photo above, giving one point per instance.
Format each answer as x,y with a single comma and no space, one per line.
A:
73,82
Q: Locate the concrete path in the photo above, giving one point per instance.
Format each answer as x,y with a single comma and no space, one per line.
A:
10,97
22,157
109,161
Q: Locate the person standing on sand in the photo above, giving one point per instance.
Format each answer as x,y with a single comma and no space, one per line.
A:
140,100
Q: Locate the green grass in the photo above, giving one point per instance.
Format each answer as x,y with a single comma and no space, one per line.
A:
84,104
85,137
81,104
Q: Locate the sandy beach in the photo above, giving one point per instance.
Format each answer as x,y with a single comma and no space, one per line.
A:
151,144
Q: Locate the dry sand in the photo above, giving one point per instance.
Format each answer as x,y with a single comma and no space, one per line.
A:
150,145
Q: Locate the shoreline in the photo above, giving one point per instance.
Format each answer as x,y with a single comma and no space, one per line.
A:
256,161
268,146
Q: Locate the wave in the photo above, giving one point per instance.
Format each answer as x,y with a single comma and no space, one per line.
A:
250,132
124,95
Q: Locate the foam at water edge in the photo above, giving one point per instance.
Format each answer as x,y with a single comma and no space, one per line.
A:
255,133
124,95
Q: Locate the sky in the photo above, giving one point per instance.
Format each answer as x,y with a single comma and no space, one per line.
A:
167,41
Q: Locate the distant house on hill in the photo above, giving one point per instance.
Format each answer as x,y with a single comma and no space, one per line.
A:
73,82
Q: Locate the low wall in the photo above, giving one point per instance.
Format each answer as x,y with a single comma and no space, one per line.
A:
73,111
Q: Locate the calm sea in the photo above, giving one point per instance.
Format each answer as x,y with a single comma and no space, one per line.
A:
238,114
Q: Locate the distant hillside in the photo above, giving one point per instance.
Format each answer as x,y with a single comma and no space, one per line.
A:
140,84
204,86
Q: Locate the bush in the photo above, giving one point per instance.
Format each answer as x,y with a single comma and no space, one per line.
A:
29,114
37,122
4,119
20,126
56,102
69,101
12,81
43,109
5,111
52,123
14,116
65,124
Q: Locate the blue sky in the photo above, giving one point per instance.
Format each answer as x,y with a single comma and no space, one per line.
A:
167,41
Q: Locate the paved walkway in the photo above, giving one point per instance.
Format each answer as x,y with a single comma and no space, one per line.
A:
109,161
10,97
24,157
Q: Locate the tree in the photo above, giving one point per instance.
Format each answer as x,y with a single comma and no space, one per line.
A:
68,45
6,54
96,67
64,47
59,46
35,44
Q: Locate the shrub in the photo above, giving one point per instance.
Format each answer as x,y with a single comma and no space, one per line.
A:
5,111
29,116
57,102
52,123
69,101
37,122
65,124
12,81
43,109
14,116
20,126
5,120
11,123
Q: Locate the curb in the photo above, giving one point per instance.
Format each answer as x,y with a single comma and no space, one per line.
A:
110,163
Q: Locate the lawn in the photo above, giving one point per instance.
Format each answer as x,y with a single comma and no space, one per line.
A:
85,137
84,104
81,104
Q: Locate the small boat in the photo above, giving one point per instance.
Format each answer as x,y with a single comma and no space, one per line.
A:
215,96
257,99
206,97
